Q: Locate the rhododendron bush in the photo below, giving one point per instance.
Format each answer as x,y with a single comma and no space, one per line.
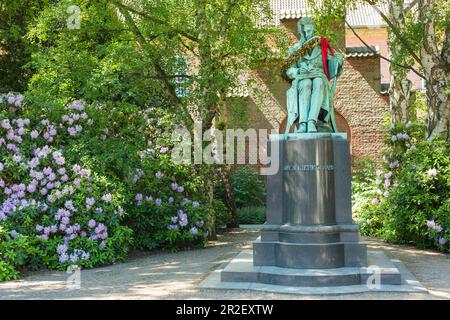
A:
77,180
409,200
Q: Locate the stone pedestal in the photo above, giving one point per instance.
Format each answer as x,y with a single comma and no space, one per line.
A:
309,239
309,218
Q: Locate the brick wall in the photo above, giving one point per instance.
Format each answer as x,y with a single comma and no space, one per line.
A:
377,37
374,37
362,106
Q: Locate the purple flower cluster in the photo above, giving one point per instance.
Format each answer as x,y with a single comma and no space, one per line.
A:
48,131
49,184
387,182
107,197
431,224
400,137
137,175
394,164
46,231
180,220
14,234
14,101
183,218
73,257
138,198
432,172
90,202
73,119
100,232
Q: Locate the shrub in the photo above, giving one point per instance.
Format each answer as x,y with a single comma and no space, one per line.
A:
364,171
54,211
251,215
410,198
249,189
166,215
220,212
77,180
363,175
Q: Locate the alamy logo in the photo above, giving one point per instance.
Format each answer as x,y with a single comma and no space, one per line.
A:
374,280
74,20
234,146
74,280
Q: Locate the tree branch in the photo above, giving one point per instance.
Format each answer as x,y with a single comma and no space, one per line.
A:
155,20
411,5
170,88
382,57
395,31
187,46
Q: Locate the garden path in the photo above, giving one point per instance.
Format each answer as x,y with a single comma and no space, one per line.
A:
163,275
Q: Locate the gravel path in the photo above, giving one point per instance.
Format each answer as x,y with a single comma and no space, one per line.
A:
176,276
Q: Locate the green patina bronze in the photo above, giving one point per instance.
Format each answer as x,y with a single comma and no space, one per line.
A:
310,100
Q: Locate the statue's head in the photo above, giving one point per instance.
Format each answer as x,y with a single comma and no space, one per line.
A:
305,28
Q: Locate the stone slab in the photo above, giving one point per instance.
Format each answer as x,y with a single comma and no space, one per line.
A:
320,255
307,136
387,267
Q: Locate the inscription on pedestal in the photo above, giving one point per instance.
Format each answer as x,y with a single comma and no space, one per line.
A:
308,167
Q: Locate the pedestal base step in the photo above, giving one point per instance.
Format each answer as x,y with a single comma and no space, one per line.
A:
241,269
240,274
335,255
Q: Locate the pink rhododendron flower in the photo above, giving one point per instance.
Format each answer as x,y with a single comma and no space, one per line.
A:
72,131
31,188
107,197
432,172
90,201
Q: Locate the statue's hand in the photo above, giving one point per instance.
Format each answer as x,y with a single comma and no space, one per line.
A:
302,69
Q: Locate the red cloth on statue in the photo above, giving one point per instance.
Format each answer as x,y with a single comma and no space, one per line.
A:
325,46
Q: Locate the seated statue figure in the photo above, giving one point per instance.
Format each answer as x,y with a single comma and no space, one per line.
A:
312,63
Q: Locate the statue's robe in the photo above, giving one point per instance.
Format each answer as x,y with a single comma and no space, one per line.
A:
314,59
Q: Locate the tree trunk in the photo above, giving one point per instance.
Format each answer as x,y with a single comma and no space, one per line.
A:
211,225
229,196
438,114
400,99
400,87
436,67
